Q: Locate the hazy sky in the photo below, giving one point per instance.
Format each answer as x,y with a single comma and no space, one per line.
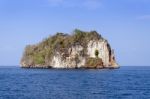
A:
125,23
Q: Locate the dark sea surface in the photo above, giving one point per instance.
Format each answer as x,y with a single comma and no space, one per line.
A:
124,83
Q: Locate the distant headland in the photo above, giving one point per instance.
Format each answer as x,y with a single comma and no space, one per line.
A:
80,49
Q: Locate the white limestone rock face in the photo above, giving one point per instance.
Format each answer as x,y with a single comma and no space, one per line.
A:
73,60
102,47
105,52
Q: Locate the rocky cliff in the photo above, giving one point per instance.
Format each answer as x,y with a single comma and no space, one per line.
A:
78,50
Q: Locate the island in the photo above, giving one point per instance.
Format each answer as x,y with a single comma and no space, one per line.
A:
79,49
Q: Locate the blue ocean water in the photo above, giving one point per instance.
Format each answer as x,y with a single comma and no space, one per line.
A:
126,82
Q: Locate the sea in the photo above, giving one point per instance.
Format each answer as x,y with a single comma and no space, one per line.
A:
127,82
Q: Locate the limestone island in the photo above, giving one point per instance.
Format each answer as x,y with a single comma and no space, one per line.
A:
80,49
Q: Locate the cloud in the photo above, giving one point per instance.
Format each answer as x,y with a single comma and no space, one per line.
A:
86,4
92,4
55,2
143,17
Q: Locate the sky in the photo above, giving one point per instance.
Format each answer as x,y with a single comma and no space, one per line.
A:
124,23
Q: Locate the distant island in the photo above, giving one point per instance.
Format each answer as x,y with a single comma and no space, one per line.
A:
80,49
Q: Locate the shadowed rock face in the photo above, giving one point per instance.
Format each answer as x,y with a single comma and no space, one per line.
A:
79,50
